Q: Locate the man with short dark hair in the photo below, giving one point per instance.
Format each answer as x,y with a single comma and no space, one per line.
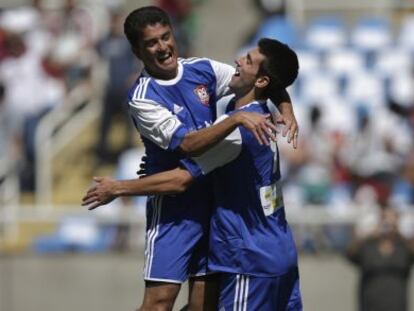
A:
172,104
250,240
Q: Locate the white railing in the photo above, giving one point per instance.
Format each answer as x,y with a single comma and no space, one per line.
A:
309,216
60,127
9,199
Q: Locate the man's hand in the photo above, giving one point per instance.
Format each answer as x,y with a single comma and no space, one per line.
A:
260,125
100,194
287,117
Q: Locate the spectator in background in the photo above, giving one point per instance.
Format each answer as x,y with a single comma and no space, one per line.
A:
74,37
375,152
184,21
122,71
384,260
23,75
72,20
403,189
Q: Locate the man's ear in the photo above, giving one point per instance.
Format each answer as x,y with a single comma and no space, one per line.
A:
262,82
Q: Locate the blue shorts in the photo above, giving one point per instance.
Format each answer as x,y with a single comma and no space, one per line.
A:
240,292
176,244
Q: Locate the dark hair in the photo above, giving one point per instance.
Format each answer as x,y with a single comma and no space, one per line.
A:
280,65
140,18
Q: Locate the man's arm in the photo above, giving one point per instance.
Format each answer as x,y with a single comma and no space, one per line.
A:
108,189
197,142
284,104
159,125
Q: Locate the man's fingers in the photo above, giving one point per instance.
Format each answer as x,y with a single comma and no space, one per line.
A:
295,140
293,133
97,179
93,206
263,135
256,134
91,190
269,131
286,129
89,200
271,126
280,120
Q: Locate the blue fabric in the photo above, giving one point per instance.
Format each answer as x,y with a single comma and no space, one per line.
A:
177,236
243,239
242,292
177,225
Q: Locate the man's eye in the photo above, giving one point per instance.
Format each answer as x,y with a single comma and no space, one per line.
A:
150,44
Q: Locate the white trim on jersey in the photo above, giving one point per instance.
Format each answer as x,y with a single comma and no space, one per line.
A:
177,78
223,73
141,89
191,275
193,60
189,60
154,121
241,294
222,153
152,234
163,280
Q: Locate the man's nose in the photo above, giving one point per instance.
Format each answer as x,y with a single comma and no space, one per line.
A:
162,46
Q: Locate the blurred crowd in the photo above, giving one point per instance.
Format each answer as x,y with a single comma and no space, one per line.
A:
47,49
354,98
43,55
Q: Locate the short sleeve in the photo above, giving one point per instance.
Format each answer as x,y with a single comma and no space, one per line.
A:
192,167
222,153
157,123
223,73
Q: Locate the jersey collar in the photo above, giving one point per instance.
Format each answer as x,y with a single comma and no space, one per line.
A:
167,82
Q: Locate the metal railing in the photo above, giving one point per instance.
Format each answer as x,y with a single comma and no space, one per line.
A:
60,127
9,199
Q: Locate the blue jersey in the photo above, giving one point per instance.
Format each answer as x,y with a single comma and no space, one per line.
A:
164,111
249,232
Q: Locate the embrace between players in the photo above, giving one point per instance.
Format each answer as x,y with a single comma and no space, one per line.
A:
215,213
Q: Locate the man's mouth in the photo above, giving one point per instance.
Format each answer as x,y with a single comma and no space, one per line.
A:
237,72
165,58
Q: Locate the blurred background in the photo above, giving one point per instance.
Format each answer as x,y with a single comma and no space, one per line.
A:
65,68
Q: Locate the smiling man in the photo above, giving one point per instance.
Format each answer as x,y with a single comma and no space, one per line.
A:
251,244
172,105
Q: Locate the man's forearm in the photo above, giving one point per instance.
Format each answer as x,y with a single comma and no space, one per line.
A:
285,107
197,142
279,96
284,104
169,182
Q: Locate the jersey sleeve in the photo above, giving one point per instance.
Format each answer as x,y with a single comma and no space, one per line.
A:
219,155
157,123
223,73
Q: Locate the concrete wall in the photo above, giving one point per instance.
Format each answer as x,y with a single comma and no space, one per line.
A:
114,282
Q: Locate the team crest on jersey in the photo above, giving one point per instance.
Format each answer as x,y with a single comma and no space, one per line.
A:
202,93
